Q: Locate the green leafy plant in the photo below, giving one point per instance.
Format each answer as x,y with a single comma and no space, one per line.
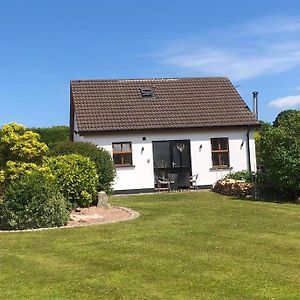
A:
241,175
21,152
15,169
53,135
2,180
280,153
76,176
283,116
32,202
19,144
104,164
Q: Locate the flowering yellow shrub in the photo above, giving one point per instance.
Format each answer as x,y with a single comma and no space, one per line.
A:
19,144
21,152
14,170
2,176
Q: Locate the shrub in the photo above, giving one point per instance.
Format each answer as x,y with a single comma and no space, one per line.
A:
32,202
241,175
15,169
21,152
104,164
76,177
53,135
280,153
19,144
2,179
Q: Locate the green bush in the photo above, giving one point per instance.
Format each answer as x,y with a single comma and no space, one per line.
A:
104,164
53,135
15,170
76,177
21,152
32,202
241,175
280,153
2,179
19,144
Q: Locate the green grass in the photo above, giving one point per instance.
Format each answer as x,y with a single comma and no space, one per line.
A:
183,246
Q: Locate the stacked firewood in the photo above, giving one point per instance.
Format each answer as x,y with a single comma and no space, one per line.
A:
232,187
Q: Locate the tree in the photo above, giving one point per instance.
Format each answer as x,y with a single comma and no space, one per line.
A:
20,151
257,145
53,135
283,116
280,152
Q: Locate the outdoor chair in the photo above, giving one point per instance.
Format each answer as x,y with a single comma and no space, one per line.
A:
162,183
193,181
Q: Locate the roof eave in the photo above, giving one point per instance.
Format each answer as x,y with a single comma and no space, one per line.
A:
87,132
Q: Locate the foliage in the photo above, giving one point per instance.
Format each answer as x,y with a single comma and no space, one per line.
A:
257,134
20,153
53,135
2,180
241,175
280,153
283,116
76,177
2,176
19,144
32,202
105,167
15,170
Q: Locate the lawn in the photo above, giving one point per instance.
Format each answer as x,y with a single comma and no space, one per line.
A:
183,246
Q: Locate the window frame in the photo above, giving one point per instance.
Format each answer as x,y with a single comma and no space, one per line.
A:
122,153
219,152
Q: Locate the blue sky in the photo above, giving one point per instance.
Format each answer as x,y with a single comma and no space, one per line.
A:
45,44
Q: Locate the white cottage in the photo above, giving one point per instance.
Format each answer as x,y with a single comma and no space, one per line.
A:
170,128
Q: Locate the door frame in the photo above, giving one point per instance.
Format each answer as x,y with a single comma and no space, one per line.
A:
188,169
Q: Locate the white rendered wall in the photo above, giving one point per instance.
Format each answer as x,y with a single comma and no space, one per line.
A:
141,175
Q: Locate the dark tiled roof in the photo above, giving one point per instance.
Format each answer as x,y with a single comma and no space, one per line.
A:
109,105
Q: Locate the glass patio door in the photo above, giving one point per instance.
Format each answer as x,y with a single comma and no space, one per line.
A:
172,159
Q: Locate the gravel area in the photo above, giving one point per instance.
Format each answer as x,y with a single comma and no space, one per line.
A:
99,215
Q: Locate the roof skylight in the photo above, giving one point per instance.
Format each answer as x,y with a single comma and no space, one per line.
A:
147,92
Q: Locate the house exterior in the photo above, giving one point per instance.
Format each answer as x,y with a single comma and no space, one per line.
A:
165,128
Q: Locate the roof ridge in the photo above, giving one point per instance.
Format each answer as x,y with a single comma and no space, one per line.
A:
149,79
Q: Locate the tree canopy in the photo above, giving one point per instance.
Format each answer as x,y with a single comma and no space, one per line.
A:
282,116
19,144
21,151
53,135
280,151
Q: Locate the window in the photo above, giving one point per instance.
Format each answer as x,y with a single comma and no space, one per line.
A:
122,154
220,152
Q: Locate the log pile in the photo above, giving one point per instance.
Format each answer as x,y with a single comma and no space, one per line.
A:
232,187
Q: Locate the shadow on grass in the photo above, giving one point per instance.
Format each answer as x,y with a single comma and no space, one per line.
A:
265,200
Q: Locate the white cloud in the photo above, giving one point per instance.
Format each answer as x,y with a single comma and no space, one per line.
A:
236,63
272,25
241,52
286,102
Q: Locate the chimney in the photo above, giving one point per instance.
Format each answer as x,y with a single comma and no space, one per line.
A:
255,104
